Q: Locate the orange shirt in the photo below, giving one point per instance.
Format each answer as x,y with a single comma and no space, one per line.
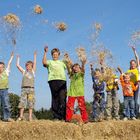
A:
128,88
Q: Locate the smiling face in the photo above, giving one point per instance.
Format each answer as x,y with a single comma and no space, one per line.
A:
126,78
29,66
2,67
55,53
133,64
76,68
55,56
97,74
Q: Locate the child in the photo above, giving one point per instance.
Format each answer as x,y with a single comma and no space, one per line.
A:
76,91
112,101
27,87
128,92
99,95
4,97
57,82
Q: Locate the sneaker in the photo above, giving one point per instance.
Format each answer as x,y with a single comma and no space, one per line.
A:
133,118
125,118
10,120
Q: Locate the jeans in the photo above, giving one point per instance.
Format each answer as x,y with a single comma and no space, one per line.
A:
98,105
58,91
129,107
136,108
4,99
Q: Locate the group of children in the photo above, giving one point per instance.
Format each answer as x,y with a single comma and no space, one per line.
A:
129,82
63,100
27,88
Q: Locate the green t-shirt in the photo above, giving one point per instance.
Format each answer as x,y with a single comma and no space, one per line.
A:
56,70
76,85
4,79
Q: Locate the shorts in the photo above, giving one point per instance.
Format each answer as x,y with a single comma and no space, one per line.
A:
27,99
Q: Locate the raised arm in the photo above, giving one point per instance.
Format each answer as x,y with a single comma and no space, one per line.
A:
44,60
68,63
10,61
18,65
83,65
92,72
136,55
120,70
34,65
91,68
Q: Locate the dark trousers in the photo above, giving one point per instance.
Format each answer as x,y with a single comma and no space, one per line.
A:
58,91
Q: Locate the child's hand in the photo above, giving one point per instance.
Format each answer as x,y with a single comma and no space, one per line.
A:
46,48
91,65
133,48
66,55
101,62
35,53
12,54
17,56
84,61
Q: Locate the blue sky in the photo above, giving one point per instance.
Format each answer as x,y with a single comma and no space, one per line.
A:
119,20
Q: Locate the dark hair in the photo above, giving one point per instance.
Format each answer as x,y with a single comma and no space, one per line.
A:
29,62
97,69
133,61
2,63
76,64
55,50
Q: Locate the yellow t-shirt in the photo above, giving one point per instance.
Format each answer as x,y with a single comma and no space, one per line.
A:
134,75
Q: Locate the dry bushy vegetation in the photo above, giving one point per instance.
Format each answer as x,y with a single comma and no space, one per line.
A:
56,130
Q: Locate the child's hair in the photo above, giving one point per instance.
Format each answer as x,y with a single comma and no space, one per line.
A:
76,64
29,62
126,75
2,63
96,70
55,50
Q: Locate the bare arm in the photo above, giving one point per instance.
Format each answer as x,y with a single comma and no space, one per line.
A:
18,65
83,66
68,63
120,70
69,68
136,55
34,65
44,60
10,61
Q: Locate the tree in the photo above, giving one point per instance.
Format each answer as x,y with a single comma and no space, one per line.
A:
14,101
44,114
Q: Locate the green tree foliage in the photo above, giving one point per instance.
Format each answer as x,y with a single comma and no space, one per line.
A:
14,101
44,114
